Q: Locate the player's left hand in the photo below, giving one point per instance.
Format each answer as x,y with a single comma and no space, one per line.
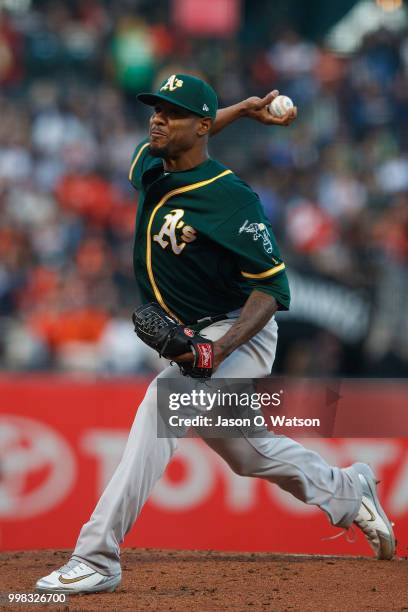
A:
257,108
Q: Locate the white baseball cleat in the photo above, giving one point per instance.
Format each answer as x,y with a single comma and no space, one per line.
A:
76,577
371,518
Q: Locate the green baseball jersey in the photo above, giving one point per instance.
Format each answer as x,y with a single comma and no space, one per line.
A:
202,241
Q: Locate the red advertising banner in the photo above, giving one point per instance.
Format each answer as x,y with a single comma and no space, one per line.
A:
60,440
218,18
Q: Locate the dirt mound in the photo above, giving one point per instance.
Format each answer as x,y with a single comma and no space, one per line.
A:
208,580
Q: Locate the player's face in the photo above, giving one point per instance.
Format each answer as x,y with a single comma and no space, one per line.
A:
173,130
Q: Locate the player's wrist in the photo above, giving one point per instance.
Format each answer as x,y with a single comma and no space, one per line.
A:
245,107
221,351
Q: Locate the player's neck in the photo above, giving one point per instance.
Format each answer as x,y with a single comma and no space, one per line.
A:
186,161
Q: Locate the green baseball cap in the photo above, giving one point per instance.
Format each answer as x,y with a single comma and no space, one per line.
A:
186,91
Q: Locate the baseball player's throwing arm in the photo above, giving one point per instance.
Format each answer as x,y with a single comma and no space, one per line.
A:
253,108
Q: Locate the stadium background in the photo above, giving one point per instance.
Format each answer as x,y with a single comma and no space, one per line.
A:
334,186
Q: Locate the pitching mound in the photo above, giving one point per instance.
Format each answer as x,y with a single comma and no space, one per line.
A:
204,581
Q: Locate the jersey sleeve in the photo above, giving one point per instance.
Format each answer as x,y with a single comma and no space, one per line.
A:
139,163
248,235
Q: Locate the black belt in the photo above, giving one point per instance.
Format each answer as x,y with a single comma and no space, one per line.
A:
205,321
211,320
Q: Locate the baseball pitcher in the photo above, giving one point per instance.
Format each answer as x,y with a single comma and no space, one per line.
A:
211,277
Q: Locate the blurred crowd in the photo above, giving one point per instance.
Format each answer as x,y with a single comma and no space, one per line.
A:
334,184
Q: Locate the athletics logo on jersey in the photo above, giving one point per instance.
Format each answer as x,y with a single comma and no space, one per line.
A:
258,230
172,223
172,83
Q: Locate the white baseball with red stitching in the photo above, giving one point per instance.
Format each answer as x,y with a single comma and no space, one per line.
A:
280,106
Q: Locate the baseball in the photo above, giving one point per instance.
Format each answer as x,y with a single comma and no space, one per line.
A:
280,106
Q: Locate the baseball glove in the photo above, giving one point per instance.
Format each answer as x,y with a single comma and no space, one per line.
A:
170,339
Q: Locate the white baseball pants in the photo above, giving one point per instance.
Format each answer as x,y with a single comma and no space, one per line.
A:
280,460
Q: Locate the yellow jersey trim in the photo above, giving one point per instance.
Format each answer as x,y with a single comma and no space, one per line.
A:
132,167
265,274
164,199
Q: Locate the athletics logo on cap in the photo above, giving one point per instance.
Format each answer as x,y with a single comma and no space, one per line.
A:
172,83
188,92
